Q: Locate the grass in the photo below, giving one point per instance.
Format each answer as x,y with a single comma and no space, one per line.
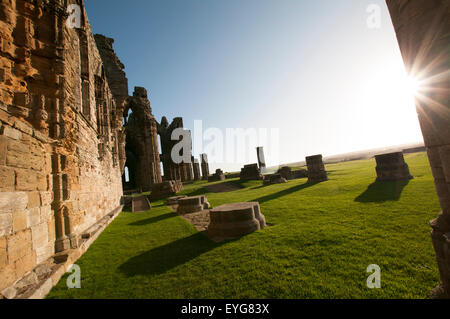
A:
322,239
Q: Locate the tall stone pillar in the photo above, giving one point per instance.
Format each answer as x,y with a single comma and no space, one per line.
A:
196,168
423,33
316,169
261,158
205,166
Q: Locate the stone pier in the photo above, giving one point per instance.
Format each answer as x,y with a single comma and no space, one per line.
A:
316,169
392,167
205,166
423,29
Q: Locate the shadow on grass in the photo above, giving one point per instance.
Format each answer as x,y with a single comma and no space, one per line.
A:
153,220
162,259
283,192
379,192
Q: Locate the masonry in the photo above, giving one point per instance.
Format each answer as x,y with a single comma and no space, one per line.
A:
61,138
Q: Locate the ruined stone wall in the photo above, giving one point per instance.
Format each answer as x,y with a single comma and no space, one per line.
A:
423,33
59,147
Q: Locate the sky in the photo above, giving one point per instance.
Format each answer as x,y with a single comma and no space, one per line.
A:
304,77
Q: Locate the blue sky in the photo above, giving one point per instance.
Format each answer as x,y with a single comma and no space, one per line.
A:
312,69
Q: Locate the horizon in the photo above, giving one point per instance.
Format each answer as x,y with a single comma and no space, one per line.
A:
267,65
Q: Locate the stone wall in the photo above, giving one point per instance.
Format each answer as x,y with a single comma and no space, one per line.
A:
59,140
423,33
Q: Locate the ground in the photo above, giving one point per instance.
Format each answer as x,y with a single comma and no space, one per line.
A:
321,240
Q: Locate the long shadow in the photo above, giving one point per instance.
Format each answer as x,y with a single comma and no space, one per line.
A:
162,259
284,192
153,220
379,192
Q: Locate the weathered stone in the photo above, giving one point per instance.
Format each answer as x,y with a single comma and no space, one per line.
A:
192,204
251,172
392,167
13,201
423,24
217,176
316,169
173,201
19,245
261,159
140,204
19,221
7,178
10,132
235,220
204,166
166,189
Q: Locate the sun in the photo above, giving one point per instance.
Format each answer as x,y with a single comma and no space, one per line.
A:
411,86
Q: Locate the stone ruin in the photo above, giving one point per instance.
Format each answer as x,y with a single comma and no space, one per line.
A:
193,204
274,179
196,169
174,171
142,149
165,189
140,204
235,220
261,158
173,201
251,172
287,173
205,166
217,176
392,167
430,30
316,169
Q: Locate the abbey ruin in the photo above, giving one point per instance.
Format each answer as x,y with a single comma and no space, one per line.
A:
72,139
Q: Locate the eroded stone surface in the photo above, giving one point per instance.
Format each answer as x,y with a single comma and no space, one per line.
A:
192,204
316,169
392,167
235,220
166,189
251,172
140,204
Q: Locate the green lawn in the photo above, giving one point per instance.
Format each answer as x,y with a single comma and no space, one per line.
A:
321,240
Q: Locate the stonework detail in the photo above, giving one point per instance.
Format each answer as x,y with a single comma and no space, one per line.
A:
261,158
251,172
166,189
196,169
316,169
392,167
59,143
235,220
192,204
204,166
142,150
422,28
217,176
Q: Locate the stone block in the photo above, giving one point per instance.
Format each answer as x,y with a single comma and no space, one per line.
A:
7,275
13,201
140,204
11,132
45,214
392,167
251,172
3,257
26,180
19,221
46,198
3,148
193,204
19,245
34,200
235,220
39,235
25,264
6,224
316,169
33,216
7,178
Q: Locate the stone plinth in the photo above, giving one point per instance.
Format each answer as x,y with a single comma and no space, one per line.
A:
235,220
192,204
251,172
316,169
217,176
173,201
140,204
392,167
166,189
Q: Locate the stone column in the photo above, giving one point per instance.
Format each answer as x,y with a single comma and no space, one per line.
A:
205,166
261,158
392,167
423,28
196,167
316,169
